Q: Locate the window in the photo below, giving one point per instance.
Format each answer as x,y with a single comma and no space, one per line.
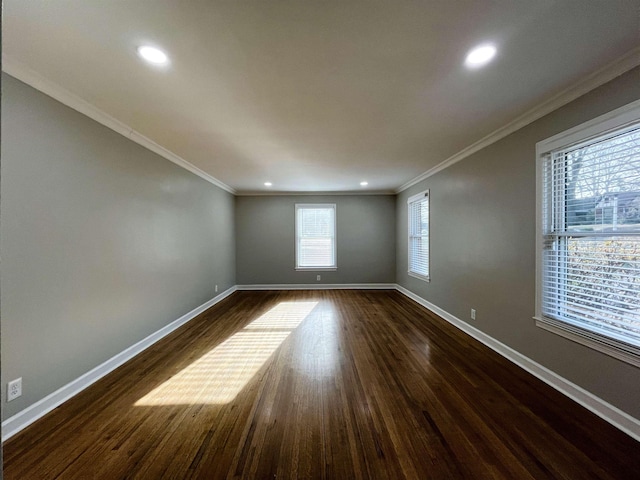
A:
419,235
589,234
315,237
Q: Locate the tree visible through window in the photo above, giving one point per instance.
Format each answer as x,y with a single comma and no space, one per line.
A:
591,237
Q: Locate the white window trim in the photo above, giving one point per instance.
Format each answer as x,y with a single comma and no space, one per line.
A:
410,200
331,268
610,121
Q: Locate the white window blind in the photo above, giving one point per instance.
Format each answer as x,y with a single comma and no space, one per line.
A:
315,236
419,235
591,238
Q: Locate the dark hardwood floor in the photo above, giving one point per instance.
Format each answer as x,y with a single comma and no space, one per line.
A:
320,384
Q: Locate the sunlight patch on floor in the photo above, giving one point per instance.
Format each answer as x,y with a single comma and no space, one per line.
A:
219,375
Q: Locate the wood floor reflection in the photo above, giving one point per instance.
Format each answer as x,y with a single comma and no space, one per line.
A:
320,384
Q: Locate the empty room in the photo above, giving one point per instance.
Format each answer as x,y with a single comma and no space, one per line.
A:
334,240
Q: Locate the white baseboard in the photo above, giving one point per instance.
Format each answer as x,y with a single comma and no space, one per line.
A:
320,286
606,411
33,412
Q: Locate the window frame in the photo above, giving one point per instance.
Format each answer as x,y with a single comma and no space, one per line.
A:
419,198
328,268
615,120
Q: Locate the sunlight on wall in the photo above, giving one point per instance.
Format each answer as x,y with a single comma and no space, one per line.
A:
219,375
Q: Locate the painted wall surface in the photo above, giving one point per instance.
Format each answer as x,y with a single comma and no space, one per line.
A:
365,235
103,242
483,212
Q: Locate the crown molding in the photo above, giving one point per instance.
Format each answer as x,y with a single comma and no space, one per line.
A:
612,70
55,91
592,81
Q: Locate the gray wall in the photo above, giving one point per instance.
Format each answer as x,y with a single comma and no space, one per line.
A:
103,242
365,233
483,247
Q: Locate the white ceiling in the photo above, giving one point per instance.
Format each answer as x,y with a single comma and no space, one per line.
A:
316,96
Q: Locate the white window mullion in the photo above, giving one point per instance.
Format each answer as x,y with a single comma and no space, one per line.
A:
315,237
589,234
418,235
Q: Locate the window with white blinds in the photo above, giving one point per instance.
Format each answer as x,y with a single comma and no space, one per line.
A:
590,242
315,236
419,235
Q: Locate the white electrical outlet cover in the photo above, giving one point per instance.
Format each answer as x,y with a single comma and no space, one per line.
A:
14,389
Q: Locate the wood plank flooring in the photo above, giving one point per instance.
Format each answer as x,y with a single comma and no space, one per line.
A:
320,384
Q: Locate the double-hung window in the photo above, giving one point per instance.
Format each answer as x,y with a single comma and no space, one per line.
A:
316,237
418,206
588,255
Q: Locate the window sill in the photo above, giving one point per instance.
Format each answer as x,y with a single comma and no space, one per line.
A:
621,351
316,269
421,277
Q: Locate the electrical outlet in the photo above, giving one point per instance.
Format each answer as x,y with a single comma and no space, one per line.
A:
473,314
318,277
216,288
14,389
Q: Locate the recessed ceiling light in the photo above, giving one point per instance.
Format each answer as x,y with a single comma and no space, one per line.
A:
267,184
153,55
480,55
364,184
